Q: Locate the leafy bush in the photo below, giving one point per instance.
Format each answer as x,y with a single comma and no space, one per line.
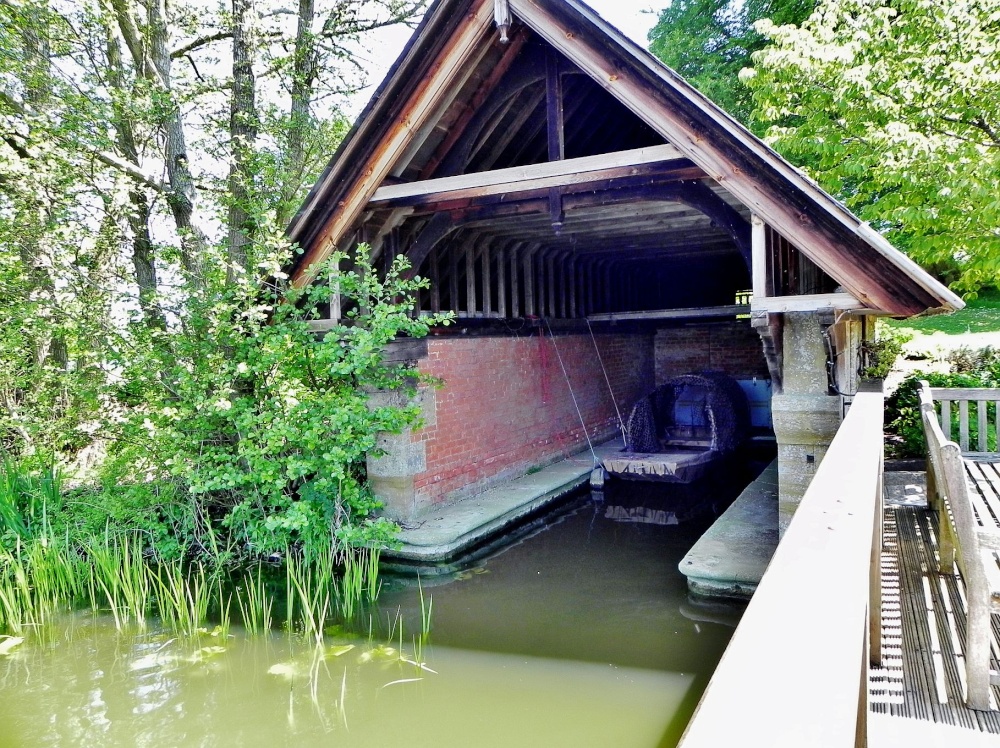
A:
28,501
902,410
982,361
261,425
881,353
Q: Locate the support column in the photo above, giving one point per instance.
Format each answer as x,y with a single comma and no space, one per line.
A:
391,476
805,415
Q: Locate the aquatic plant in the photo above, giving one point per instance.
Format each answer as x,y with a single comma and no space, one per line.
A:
309,584
182,596
27,499
255,602
120,573
36,577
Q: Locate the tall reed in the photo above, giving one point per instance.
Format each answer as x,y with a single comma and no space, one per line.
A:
120,573
182,597
358,580
309,584
255,602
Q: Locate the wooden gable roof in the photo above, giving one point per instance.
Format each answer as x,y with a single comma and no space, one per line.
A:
438,86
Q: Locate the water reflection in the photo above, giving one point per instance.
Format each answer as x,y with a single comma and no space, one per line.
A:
581,635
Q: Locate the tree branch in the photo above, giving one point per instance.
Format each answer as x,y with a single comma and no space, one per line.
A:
201,41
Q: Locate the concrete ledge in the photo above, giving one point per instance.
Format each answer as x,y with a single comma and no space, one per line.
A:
452,527
729,560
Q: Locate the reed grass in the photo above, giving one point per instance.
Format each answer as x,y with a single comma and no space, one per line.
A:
182,596
40,574
119,571
309,585
255,602
359,579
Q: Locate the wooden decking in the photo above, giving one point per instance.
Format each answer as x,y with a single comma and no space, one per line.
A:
923,622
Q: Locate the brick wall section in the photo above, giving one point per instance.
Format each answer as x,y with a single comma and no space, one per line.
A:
505,405
732,347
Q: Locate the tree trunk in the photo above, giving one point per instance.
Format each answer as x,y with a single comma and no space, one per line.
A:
35,216
143,257
304,66
153,61
242,134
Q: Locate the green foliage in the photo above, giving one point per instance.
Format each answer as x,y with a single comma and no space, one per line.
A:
709,41
28,501
264,426
881,353
902,409
895,109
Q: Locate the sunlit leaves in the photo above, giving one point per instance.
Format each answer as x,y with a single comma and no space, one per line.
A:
895,108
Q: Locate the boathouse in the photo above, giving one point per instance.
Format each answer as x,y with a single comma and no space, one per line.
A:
597,226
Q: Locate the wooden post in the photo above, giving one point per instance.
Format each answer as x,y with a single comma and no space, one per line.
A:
554,107
335,300
502,280
487,279
470,281
453,280
515,291
758,250
551,278
435,282
529,283
574,312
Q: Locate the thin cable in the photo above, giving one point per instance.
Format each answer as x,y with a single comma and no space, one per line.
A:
621,421
572,394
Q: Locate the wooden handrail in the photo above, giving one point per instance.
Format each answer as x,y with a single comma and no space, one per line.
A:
983,397
796,670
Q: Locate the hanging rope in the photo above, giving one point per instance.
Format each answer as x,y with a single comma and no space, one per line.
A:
572,394
621,421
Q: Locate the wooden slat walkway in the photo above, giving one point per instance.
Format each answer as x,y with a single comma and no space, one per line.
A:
923,622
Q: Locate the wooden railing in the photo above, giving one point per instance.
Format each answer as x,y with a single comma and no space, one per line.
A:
982,398
968,533
796,670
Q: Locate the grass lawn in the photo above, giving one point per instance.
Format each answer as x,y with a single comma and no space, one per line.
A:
980,315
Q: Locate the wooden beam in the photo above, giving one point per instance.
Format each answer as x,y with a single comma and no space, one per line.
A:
515,304
433,232
686,313
758,251
523,178
770,187
816,589
554,107
806,303
489,83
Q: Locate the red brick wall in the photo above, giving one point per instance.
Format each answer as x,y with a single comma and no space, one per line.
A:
732,347
505,405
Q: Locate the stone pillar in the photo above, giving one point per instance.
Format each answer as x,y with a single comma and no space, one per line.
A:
805,415
391,476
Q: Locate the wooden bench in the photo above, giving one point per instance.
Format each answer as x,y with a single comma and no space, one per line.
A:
965,491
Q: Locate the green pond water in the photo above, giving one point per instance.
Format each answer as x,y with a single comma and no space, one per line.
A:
580,634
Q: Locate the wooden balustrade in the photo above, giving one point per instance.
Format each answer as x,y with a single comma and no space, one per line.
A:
983,398
796,670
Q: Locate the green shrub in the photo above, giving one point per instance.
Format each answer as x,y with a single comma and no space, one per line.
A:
260,425
881,353
28,501
902,411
